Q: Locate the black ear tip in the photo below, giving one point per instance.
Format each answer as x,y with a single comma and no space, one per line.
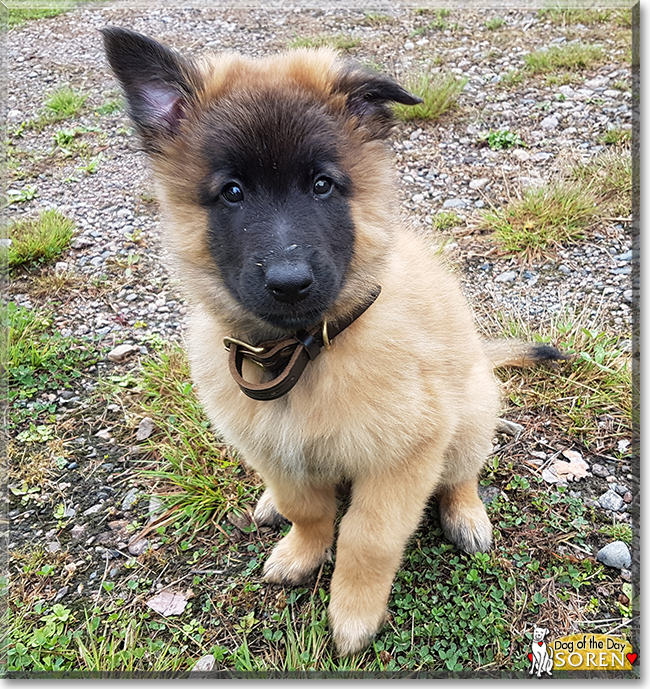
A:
415,100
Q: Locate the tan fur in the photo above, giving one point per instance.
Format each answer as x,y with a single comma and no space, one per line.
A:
403,405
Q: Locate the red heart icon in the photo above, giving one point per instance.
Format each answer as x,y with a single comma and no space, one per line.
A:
530,657
631,657
539,643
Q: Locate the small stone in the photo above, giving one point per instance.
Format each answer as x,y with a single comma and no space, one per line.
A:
454,203
60,267
621,490
615,554
627,497
564,269
409,45
549,123
5,243
627,256
599,470
121,353
54,546
204,664
521,156
81,243
418,198
478,183
541,156
77,531
92,510
508,276
60,593
138,547
156,506
104,434
72,465
626,575
611,501
129,499
67,394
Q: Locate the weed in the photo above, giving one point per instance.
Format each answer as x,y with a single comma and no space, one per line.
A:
615,136
501,139
376,19
619,532
446,219
542,219
19,15
52,284
37,241
494,23
64,103
439,93
342,42
27,193
572,56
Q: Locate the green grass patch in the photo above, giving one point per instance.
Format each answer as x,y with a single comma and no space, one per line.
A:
615,136
110,106
572,56
494,23
590,396
512,78
574,15
34,242
543,219
608,176
341,42
439,92
35,361
500,139
446,220
195,476
64,103
21,11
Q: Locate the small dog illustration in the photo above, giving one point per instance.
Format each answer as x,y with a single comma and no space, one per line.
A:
540,657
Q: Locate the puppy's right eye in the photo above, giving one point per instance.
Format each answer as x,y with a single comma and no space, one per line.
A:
233,193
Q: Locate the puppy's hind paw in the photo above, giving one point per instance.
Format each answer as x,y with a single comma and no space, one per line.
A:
266,513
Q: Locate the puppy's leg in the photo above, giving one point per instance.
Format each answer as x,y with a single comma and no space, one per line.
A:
463,517
385,511
266,513
311,509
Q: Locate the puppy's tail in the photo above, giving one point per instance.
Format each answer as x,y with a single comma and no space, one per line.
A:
520,354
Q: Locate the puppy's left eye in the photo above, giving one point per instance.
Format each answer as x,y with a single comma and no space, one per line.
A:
323,187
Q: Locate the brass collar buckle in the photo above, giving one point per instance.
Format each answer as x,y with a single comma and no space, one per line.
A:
227,341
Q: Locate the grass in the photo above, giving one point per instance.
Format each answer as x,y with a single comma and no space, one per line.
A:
590,398
572,56
513,77
609,177
440,94
25,10
35,362
34,242
502,138
494,23
64,103
574,15
615,136
444,220
542,219
198,480
341,42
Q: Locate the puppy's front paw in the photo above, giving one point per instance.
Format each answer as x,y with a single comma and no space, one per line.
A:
470,532
353,630
294,559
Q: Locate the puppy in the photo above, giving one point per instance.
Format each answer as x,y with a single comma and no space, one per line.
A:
352,356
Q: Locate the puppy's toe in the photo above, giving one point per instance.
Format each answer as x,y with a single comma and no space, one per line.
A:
292,561
266,513
471,534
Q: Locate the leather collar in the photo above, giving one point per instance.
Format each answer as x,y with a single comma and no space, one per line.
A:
287,358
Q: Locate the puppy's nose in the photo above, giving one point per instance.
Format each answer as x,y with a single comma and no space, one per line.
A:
289,282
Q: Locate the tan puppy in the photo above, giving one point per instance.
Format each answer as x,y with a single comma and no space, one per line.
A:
281,215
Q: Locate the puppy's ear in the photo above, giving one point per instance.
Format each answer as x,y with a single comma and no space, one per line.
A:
159,84
368,96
